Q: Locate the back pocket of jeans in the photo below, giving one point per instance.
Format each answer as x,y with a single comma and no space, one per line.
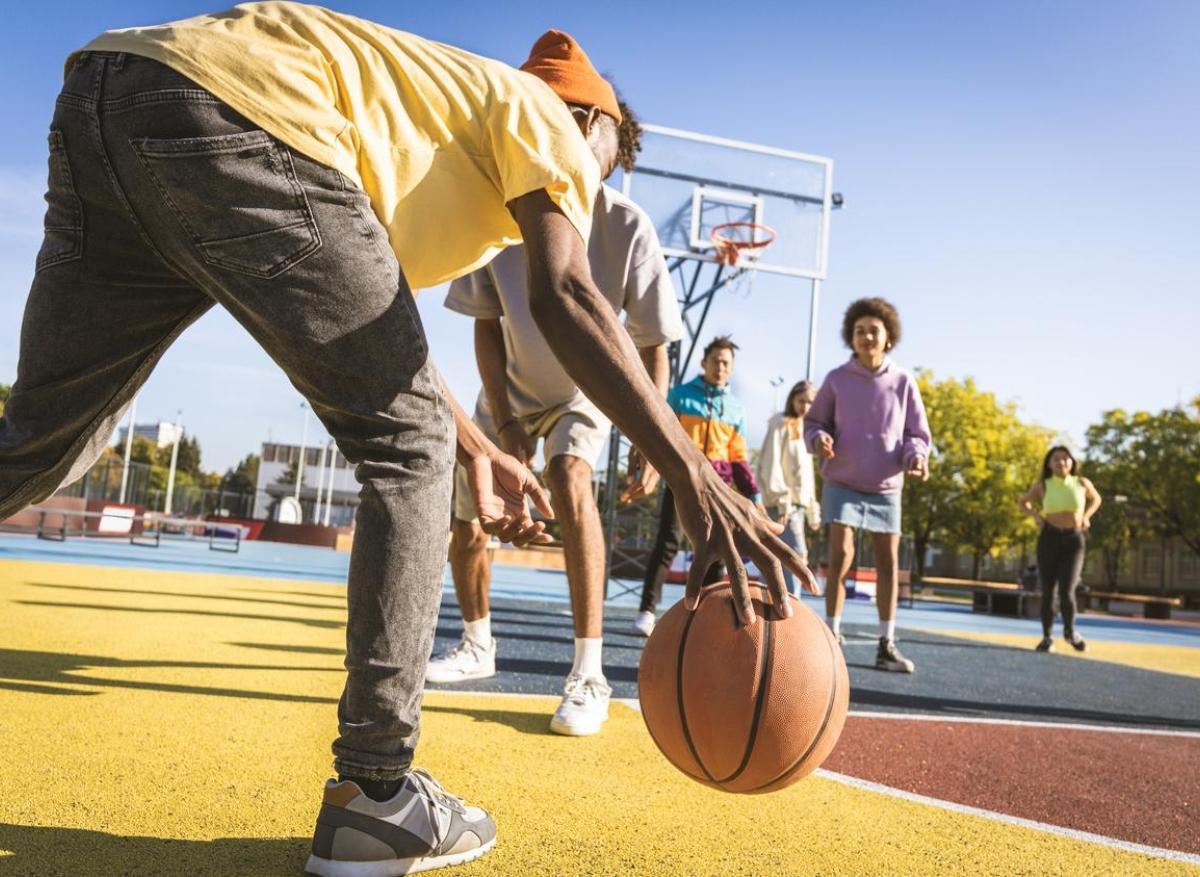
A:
237,197
63,237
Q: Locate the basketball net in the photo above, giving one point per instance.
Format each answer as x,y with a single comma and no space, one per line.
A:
738,245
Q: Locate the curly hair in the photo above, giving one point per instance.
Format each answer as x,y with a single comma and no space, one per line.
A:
881,309
629,137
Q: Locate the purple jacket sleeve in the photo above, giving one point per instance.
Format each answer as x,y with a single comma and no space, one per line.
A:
744,480
820,417
917,439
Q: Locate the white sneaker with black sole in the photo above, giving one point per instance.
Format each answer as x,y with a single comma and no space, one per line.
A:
462,662
889,658
584,707
643,623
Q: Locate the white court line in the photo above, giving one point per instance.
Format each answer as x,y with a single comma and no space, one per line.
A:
981,720
1085,836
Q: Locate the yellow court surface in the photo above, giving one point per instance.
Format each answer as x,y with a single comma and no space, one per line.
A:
1181,660
179,724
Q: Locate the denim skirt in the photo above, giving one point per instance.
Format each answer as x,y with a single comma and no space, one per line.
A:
873,512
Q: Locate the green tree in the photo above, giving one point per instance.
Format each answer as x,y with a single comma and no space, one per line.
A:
243,478
985,458
5,390
1153,462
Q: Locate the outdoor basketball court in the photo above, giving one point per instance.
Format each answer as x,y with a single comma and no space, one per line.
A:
163,720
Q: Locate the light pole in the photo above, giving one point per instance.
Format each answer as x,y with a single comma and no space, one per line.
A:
333,452
777,383
300,462
174,461
128,449
320,486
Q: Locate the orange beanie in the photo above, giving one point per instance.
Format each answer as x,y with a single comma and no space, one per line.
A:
560,62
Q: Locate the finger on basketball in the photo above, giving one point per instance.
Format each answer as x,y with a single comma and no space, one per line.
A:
772,571
739,581
695,579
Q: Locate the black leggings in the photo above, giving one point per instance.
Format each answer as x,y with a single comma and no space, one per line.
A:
666,546
1060,561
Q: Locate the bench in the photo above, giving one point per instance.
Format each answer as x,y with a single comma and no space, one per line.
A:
1153,606
994,598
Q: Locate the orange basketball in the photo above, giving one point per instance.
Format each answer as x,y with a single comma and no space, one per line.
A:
743,709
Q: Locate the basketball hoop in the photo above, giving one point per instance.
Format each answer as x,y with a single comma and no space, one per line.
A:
734,240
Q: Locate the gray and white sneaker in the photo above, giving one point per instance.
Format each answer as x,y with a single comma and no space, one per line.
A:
421,828
463,661
889,658
584,706
1046,645
1076,642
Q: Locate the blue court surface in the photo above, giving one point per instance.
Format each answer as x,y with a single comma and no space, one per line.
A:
278,560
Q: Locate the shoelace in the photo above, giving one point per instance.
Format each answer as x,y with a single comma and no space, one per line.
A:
579,688
463,647
439,797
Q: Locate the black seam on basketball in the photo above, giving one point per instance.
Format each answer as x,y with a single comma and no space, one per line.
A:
764,675
833,689
687,735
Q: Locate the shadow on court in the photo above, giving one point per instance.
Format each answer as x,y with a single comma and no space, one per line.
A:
38,851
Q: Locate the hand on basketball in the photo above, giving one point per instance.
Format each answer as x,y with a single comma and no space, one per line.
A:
499,486
641,479
516,442
723,526
918,467
826,447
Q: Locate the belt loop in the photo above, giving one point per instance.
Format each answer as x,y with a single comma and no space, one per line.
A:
119,62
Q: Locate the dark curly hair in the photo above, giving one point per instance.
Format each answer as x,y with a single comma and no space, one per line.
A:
629,137
881,309
1047,472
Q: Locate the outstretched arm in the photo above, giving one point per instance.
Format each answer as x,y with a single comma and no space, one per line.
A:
598,354
499,483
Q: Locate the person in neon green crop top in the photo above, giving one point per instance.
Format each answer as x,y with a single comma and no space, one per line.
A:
1067,502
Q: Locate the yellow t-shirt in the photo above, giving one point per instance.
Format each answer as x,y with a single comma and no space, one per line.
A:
440,139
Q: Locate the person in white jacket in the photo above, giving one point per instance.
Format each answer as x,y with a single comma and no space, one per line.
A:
785,473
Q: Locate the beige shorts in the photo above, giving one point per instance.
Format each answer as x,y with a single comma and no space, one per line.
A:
577,428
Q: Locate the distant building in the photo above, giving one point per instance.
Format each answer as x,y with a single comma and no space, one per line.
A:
274,483
163,434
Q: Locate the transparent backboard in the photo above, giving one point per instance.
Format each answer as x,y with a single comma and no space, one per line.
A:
689,183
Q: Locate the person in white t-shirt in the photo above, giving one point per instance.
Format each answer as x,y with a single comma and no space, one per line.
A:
528,396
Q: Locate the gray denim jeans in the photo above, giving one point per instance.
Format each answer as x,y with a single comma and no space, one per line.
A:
163,201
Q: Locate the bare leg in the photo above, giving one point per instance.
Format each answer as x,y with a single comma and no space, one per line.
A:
887,564
570,482
470,568
841,558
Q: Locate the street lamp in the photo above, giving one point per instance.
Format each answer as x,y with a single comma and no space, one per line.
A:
777,383
174,460
300,462
128,448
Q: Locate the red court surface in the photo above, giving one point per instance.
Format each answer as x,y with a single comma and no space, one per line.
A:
1138,787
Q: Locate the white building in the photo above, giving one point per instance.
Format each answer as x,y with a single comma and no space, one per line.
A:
274,483
163,434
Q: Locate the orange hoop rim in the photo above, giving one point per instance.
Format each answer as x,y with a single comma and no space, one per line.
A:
729,251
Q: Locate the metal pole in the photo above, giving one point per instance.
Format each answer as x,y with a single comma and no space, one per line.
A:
128,449
174,460
333,455
300,461
810,374
320,486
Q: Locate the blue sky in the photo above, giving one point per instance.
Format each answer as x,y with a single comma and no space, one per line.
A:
1020,179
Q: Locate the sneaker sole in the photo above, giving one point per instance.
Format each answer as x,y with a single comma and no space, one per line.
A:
574,730
391,867
460,677
895,668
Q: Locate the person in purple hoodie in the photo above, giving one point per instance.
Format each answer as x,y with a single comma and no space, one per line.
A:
869,429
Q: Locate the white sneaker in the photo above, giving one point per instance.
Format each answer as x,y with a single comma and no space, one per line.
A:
643,623
465,660
584,706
